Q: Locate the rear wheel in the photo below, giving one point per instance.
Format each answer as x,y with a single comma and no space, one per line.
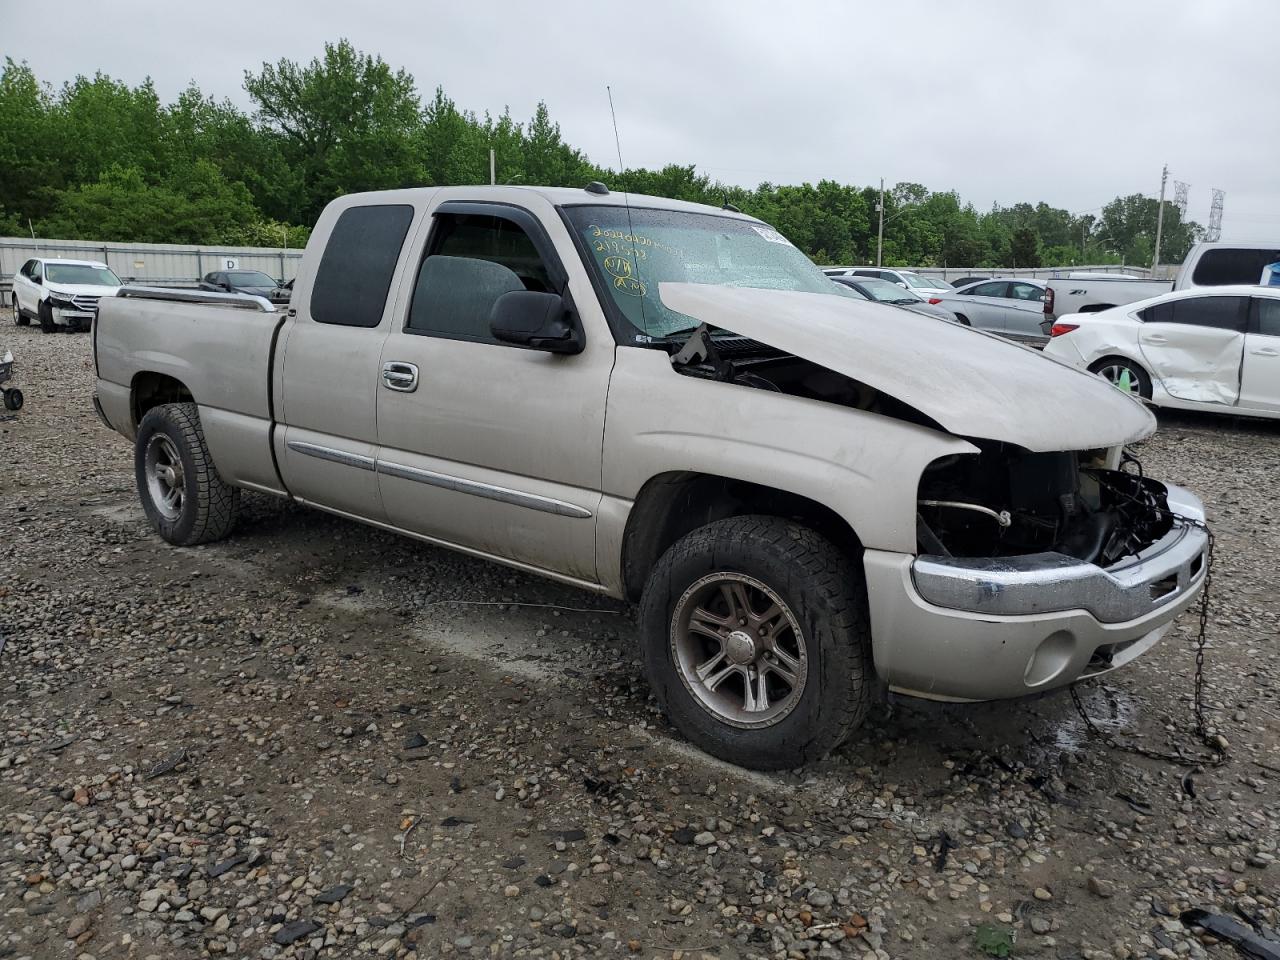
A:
181,492
13,399
757,642
963,319
1124,375
20,319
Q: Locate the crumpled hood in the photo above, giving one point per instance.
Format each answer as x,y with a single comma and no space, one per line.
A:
972,384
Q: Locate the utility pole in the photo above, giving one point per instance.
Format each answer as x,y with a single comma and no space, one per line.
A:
880,234
493,175
1155,259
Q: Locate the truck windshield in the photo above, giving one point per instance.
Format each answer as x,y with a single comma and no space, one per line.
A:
81,273
633,253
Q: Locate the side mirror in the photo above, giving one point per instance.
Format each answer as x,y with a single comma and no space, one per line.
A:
226,285
531,318
902,285
38,281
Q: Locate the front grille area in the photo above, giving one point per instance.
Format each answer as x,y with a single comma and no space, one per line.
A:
83,301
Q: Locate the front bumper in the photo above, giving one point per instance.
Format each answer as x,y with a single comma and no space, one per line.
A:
988,630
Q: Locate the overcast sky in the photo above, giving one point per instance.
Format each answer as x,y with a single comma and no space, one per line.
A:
1073,103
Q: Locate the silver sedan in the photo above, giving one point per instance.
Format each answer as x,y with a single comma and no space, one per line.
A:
1009,306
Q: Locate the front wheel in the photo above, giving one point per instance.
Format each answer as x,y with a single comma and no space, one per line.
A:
45,313
182,494
757,642
1124,375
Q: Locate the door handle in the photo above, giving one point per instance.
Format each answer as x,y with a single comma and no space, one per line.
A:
1265,352
1155,339
400,376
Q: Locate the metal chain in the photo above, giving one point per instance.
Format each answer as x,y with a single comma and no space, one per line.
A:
1201,727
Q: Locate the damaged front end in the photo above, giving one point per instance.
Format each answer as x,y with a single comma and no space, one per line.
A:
1009,532
1009,502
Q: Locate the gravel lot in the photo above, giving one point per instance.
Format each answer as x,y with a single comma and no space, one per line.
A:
319,740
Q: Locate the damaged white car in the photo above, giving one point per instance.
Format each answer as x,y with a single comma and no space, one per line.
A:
669,403
1215,349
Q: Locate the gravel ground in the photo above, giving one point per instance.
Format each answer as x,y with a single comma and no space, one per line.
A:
319,740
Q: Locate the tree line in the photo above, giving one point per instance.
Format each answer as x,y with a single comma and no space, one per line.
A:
99,159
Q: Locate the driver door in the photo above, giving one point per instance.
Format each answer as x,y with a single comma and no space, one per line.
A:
1195,345
483,445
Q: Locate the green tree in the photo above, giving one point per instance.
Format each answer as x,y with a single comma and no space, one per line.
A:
1024,248
346,121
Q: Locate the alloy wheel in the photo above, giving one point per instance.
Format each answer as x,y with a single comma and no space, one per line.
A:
739,650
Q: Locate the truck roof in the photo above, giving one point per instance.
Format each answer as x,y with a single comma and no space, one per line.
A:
577,196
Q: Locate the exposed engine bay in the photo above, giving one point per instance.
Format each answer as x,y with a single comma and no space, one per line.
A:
1006,501
733,359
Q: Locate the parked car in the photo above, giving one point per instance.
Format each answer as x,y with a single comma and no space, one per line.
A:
1215,349
882,291
253,282
1011,307
1091,292
915,282
61,294
965,281
668,402
1212,263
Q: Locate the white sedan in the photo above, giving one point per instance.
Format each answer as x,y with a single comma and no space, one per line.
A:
1212,348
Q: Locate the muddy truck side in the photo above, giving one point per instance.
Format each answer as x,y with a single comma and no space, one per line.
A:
811,497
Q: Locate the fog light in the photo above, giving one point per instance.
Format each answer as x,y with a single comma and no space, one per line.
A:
1050,659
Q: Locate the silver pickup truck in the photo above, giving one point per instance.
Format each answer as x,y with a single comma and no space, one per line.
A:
813,498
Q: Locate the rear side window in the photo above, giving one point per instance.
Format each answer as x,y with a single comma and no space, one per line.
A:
1218,268
1220,313
355,272
1025,291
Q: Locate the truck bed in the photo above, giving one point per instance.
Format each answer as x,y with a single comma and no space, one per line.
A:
220,346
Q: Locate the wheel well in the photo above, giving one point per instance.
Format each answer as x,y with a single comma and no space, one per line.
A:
671,505
963,319
1113,357
1095,307
152,389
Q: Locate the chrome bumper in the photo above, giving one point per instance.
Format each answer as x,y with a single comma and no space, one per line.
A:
966,630
1050,582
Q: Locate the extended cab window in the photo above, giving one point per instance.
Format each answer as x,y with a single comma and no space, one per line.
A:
473,260
355,272
1222,313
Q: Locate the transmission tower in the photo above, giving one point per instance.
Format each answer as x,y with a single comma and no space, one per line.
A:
1215,217
1180,198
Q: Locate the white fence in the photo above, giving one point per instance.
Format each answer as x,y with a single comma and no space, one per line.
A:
154,263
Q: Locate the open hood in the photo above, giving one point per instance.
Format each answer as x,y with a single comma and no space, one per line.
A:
972,384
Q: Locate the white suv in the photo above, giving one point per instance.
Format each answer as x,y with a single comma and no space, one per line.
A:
61,293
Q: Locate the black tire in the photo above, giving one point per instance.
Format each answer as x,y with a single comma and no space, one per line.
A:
1136,373
45,313
13,399
207,508
20,319
963,319
825,592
